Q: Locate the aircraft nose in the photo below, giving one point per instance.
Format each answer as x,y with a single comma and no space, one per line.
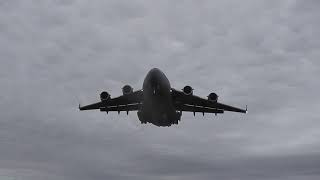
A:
154,75
154,80
154,70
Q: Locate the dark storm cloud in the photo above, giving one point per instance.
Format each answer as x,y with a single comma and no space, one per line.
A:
261,53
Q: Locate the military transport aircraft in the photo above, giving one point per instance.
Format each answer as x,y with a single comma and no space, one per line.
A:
158,103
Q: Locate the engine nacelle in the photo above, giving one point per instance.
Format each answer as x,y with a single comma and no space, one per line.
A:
127,90
213,97
104,96
187,90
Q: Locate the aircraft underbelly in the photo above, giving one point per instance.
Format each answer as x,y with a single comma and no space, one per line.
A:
158,111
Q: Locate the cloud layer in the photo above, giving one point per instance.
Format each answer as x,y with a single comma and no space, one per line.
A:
261,53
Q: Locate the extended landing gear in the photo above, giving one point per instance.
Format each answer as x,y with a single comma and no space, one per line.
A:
168,121
177,118
142,117
143,122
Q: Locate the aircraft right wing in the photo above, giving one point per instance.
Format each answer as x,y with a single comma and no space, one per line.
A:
194,108
194,103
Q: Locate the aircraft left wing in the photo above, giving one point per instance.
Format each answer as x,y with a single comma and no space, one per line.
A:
128,102
194,103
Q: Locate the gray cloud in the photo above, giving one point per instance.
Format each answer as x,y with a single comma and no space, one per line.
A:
261,53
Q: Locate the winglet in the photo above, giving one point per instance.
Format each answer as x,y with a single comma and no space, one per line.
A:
79,107
246,109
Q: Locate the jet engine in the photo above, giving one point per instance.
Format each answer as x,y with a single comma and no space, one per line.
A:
213,97
127,89
104,96
187,90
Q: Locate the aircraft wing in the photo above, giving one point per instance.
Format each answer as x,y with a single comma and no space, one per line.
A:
194,108
129,102
194,103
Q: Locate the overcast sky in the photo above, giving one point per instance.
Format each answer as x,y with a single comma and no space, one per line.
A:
57,53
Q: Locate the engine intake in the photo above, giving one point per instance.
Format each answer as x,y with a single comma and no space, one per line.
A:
213,97
104,96
127,89
187,90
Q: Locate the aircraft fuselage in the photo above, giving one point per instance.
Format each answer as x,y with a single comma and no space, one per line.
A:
157,106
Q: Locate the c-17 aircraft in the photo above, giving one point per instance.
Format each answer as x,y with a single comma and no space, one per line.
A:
158,103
